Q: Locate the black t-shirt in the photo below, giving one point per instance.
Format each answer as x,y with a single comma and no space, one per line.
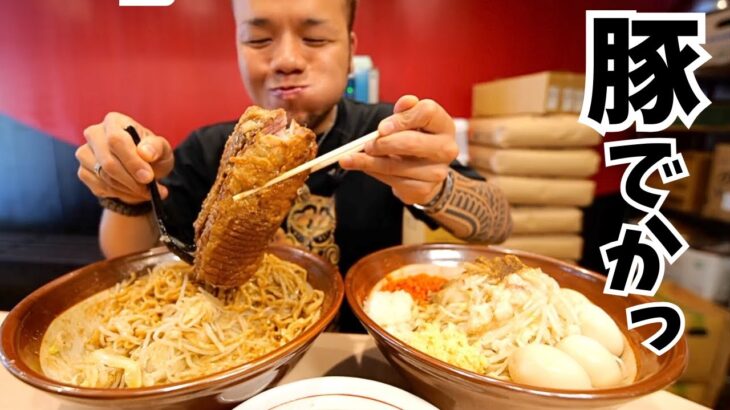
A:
367,216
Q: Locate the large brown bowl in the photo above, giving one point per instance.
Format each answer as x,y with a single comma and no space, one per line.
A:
449,387
26,324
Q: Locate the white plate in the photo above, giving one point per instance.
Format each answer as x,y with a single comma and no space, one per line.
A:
335,393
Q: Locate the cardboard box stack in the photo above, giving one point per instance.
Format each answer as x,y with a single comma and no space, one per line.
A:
525,137
718,38
705,267
705,271
707,329
718,193
547,92
687,194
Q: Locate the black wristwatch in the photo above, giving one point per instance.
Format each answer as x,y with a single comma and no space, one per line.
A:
123,208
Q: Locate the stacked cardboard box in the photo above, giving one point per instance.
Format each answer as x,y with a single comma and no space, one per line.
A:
525,137
687,194
707,329
705,271
718,193
718,38
547,92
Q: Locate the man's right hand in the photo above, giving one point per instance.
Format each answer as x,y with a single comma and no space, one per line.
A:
125,169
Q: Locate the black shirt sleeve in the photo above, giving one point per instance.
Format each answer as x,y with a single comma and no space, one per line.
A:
196,166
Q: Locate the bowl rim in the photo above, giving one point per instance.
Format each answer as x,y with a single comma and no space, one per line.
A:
633,390
226,378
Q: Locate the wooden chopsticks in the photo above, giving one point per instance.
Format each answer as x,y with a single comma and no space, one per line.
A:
316,164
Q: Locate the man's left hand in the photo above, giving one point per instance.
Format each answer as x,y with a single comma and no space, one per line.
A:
414,150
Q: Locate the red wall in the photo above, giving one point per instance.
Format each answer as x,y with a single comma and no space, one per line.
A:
63,64
443,47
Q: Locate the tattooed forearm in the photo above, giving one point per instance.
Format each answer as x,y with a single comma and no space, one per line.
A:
475,211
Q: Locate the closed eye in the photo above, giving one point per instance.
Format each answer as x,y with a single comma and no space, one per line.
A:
315,42
259,42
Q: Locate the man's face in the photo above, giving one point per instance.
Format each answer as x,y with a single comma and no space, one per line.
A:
294,54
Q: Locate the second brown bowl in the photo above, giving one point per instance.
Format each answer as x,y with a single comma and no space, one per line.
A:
449,387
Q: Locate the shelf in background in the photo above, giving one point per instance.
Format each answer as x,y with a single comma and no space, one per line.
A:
717,229
719,72
705,129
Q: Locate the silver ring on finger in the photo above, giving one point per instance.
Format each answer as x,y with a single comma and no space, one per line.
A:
97,169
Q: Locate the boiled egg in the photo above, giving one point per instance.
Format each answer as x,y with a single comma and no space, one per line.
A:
598,325
602,367
546,366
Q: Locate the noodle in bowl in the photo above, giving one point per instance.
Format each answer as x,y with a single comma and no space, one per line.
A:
161,328
488,316
258,356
